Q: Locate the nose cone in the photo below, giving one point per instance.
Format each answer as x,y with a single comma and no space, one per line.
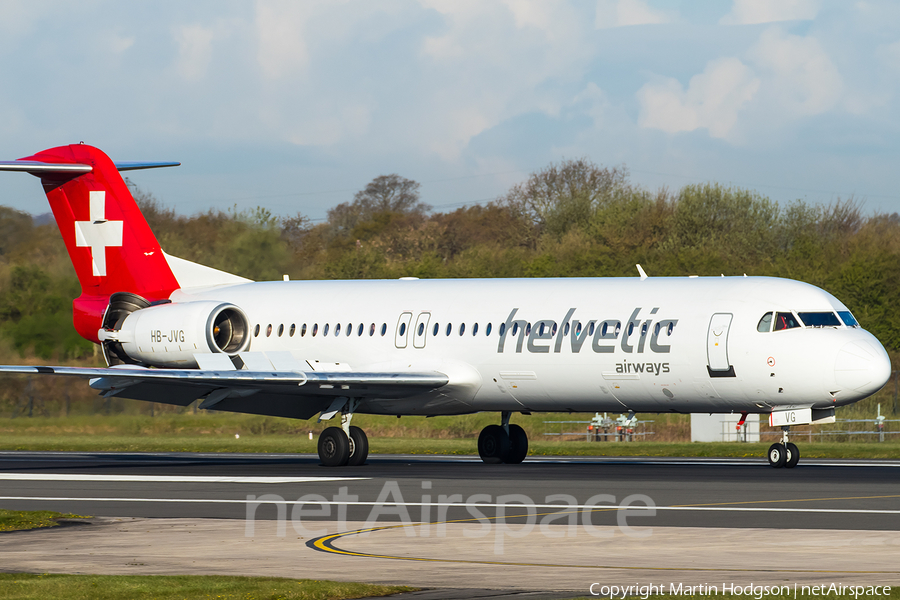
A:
862,367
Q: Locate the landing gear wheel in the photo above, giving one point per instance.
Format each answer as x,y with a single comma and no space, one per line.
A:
518,442
359,447
493,445
334,447
793,455
778,455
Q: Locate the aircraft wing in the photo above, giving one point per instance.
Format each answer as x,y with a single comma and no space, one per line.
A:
297,394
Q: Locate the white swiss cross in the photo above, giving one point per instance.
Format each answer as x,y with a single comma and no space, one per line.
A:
98,233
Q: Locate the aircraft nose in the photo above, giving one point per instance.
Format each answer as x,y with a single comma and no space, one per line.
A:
862,366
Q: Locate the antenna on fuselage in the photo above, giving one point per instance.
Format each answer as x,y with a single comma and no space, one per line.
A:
641,272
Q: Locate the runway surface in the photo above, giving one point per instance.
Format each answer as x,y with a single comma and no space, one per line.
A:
818,494
547,525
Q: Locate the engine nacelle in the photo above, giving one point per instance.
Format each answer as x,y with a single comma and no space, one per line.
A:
168,335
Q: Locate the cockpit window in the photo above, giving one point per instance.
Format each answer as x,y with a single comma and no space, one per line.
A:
785,320
820,319
765,324
847,318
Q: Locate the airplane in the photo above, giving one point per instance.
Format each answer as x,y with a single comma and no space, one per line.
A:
174,331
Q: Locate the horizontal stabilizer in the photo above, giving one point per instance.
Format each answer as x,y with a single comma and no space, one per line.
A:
134,166
41,168
38,168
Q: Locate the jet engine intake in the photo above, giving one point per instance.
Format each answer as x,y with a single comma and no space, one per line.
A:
168,335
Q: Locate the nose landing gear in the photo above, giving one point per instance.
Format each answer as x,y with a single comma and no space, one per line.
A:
503,443
784,453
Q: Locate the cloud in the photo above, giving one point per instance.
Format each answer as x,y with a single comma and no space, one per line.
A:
711,101
799,76
194,51
622,13
280,28
750,12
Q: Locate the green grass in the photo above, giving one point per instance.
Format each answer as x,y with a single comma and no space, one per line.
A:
181,587
18,520
282,443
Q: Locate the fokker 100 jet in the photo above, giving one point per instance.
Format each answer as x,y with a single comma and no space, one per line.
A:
173,331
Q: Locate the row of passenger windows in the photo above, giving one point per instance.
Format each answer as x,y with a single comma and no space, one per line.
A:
787,320
543,327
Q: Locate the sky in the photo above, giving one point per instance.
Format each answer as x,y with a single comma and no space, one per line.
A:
295,105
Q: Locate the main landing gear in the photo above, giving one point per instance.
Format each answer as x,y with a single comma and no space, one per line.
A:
346,445
784,453
503,443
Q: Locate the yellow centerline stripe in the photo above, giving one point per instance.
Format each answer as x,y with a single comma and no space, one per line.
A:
321,543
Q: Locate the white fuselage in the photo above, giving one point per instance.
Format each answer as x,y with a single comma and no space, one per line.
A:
682,345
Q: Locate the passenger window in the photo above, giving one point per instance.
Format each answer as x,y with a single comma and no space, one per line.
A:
349,329
515,329
487,330
502,329
449,328
402,329
383,329
591,328
566,330
765,324
280,329
475,329
434,329
256,330
337,330
315,329
292,330
372,330
303,330
269,330
785,320
553,331
421,329
528,329
325,329
462,328
820,319
578,330
360,330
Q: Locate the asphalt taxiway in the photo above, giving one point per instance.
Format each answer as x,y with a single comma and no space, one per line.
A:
453,522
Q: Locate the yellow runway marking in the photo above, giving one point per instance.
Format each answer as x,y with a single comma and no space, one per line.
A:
325,543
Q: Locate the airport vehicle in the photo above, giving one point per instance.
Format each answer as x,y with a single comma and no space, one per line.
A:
174,331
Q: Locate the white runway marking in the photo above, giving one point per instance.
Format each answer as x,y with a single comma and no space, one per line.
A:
562,507
167,478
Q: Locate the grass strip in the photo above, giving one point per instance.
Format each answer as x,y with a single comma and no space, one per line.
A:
21,586
283,443
19,520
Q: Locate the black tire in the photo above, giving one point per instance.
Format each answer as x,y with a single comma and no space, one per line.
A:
777,455
518,445
793,456
334,447
493,444
359,447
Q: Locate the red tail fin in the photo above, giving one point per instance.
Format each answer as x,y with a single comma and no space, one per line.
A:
108,239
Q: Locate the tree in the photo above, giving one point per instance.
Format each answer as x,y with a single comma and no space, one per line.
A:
384,194
567,194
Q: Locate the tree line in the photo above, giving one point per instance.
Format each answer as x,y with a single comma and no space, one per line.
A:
572,218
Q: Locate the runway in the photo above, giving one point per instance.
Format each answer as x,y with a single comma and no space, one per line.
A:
549,524
819,494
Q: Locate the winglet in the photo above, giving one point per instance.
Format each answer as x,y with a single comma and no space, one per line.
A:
641,272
